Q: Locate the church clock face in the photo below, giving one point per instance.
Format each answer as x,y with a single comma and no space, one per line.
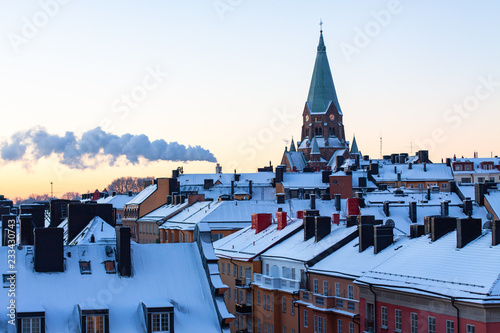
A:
332,117
307,117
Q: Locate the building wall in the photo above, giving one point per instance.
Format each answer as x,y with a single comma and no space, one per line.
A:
485,319
147,232
341,185
157,198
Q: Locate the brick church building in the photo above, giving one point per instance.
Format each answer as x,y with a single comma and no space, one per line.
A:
323,136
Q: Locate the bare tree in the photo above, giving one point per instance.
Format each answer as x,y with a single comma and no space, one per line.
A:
126,184
71,196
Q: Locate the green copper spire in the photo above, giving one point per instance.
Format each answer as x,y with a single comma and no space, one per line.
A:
292,146
322,90
354,146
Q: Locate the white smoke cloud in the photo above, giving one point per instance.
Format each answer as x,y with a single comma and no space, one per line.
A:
37,143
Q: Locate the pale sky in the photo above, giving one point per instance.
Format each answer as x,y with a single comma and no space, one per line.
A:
232,76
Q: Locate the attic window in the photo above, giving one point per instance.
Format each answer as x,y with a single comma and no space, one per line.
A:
85,267
110,266
8,280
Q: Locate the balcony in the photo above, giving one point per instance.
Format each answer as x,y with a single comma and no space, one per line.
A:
270,282
243,283
327,302
243,308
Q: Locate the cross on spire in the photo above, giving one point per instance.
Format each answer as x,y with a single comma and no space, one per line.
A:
320,25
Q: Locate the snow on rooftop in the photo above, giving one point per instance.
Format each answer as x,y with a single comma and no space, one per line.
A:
440,267
435,171
158,214
246,244
143,195
118,201
99,229
493,198
166,274
304,180
295,248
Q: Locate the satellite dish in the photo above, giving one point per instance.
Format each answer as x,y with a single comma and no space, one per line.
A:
487,225
490,216
390,223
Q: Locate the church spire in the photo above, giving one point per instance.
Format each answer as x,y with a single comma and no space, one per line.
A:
292,146
354,146
322,90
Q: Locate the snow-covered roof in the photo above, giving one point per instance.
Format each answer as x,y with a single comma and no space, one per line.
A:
143,195
333,160
295,248
162,275
331,142
118,201
435,172
160,213
493,198
297,160
310,180
246,244
97,227
439,267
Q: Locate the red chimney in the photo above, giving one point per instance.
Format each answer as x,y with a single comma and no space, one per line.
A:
353,206
300,214
281,217
336,218
261,221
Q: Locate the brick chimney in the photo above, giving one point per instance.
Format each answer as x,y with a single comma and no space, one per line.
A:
281,217
261,221
467,230
49,250
123,251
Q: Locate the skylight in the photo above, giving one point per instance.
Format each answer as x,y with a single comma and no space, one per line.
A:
85,267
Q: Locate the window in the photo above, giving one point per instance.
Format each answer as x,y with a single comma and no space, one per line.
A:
283,304
383,317
235,295
229,293
85,267
258,297
306,318
350,292
315,286
325,287
241,296
397,321
110,267
339,325
320,325
292,307
160,322
258,325
31,325
292,331
450,326
337,289
351,327
431,324
471,328
235,270
241,271
293,273
351,306
414,322
284,329
267,269
223,265
95,324
315,320
228,269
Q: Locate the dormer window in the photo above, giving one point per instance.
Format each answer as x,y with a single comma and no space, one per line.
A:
95,321
159,318
110,267
31,322
85,267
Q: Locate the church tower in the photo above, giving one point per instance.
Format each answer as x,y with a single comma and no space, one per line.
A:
322,135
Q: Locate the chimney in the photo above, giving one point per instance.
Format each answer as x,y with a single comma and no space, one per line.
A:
441,226
236,176
386,208
479,191
448,162
445,208
353,206
336,218
312,201
281,217
467,207
395,169
428,196
338,202
410,165
49,250
383,237
495,232
467,230
427,223
232,188
27,229
325,176
398,176
9,229
169,200
250,187
323,227
261,221
175,173
374,168
351,220
425,167
280,198
339,160
362,182
413,211
300,214
218,168
280,170
129,193
208,183
417,230
123,251
309,226
365,231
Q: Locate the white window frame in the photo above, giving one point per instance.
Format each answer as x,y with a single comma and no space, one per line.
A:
397,320
414,322
450,326
306,318
325,287
431,324
315,286
383,317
